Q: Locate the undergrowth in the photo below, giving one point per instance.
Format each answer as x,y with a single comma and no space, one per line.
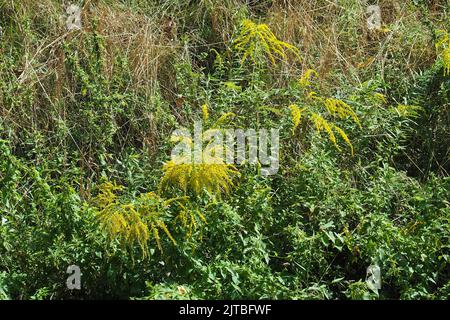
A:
86,176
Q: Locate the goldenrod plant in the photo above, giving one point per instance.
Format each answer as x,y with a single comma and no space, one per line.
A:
305,79
443,49
323,112
255,39
209,172
214,178
408,111
296,114
190,218
205,112
135,221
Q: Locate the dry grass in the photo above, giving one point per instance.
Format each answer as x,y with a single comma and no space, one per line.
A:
142,39
334,38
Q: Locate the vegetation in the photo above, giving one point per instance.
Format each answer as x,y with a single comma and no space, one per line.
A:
86,177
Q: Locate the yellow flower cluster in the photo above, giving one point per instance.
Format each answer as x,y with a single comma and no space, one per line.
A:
254,38
335,108
443,48
135,221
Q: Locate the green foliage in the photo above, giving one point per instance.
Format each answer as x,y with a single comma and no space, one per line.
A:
79,110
